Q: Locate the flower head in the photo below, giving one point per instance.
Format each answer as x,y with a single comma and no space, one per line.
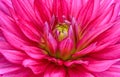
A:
59,38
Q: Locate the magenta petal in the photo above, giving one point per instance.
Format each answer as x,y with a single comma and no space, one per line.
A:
86,12
30,31
23,72
49,40
85,51
34,52
36,67
55,71
114,71
110,36
52,43
75,62
74,7
21,10
6,67
5,45
39,5
60,9
13,39
111,52
13,56
100,66
3,7
66,47
7,23
79,72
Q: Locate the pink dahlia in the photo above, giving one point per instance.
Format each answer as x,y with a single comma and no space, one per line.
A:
59,38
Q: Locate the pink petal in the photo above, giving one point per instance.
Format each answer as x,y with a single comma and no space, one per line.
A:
60,9
86,12
3,7
114,71
111,34
21,9
66,47
14,40
30,31
111,52
5,45
48,3
74,7
23,72
95,9
6,67
55,71
78,72
7,23
34,52
75,62
49,39
13,56
99,66
37,67
71,33
39,5
85,51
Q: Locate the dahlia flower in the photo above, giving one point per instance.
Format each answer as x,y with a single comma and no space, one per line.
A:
59,38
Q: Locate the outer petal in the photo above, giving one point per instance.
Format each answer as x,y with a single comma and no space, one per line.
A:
114,71
13,39
3,6
42,11
85,51
24,72
74,7
13,56
30,30
99,66
4,45
8,23
111,52
37,67
86,12
6,67
22,10
60,9
55,71
34,52
79,71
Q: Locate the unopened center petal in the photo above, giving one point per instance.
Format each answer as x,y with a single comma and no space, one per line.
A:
61,31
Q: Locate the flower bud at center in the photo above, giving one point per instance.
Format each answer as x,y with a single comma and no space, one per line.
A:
61,31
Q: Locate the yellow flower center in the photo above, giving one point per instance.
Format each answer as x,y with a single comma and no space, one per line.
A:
62,29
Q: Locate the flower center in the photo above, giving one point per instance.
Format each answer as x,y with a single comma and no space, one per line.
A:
61,31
